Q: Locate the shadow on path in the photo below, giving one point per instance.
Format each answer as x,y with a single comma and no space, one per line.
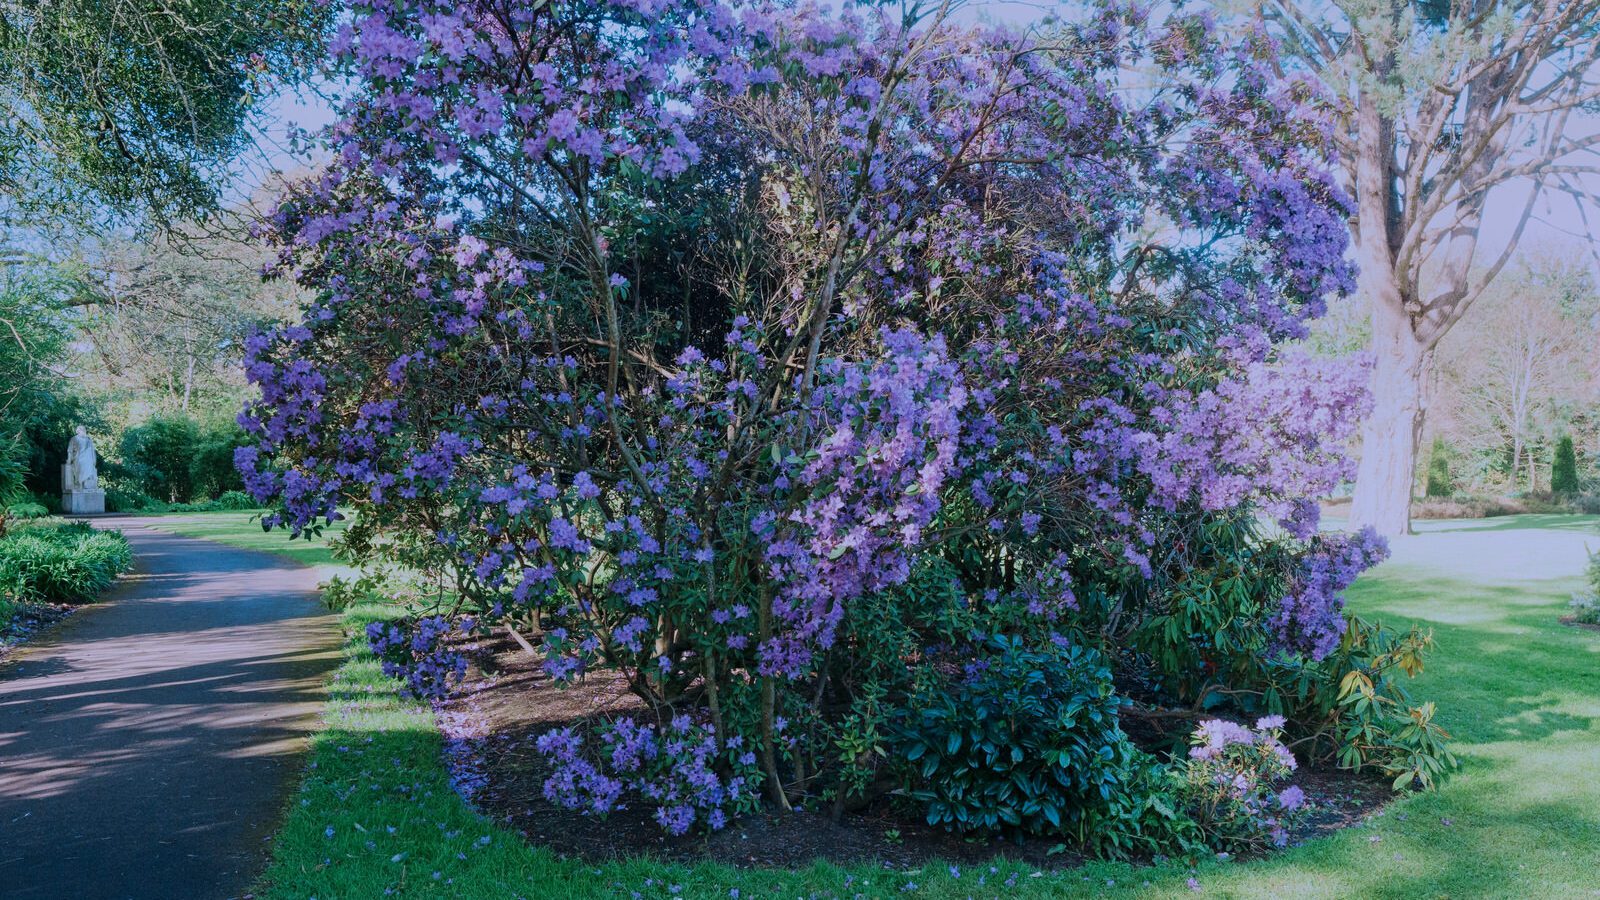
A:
148,747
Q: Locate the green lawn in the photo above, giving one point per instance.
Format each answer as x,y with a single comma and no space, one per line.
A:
1521,693
243,529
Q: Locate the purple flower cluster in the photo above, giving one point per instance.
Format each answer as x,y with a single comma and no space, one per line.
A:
1310,618
421,655
690,776
886,443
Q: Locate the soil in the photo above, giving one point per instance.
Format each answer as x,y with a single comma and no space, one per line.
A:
28,620
517,703
1572,622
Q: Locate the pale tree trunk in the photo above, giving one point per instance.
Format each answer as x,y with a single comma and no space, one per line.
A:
1390,436
1386,476
188,385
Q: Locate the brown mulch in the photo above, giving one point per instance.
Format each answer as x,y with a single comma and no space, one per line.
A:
1572,622
518,703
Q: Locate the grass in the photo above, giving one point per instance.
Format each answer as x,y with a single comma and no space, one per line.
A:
377,817
243,529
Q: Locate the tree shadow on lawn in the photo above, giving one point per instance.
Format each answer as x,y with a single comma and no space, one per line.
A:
1504,668
1437,846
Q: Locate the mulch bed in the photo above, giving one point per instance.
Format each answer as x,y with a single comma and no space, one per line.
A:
517,703
28,620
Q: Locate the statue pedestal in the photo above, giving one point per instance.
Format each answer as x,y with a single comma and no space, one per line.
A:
79,503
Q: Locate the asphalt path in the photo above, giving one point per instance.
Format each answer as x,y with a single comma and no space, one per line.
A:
150,743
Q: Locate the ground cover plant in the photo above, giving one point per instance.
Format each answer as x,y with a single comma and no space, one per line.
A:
805,366
48,567
61,562
1521,818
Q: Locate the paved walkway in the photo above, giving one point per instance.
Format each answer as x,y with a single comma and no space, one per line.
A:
148,746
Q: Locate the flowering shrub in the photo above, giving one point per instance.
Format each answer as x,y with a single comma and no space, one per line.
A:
765,353
1232,784
690,775
1309,618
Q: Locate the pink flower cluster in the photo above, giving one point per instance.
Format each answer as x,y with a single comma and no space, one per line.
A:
1231,781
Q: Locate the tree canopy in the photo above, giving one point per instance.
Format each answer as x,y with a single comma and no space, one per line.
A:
133,109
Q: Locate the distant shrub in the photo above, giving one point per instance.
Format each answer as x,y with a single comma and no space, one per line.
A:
122,499
70,563
231,501
1439,471
1586,604
1564,468
159,455
1460,507
1472,506
211,469
1585,609
234,500
179,461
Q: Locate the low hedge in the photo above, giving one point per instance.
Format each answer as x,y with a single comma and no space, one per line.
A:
64,563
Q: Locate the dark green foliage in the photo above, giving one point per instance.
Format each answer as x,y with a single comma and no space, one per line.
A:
235,500
1564,468
175,460
1027,741
13,476
158,455
1202,646
1438,482
35,413
123,499
1198,631
69,563
27,509
211,471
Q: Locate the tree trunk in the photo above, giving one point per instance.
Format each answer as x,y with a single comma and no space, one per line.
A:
1385,476
1387,473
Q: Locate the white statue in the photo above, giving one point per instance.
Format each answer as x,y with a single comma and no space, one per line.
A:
80,471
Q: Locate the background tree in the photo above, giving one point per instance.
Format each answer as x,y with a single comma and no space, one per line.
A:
1446,103
38,409
1511,376
167,324
136,108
